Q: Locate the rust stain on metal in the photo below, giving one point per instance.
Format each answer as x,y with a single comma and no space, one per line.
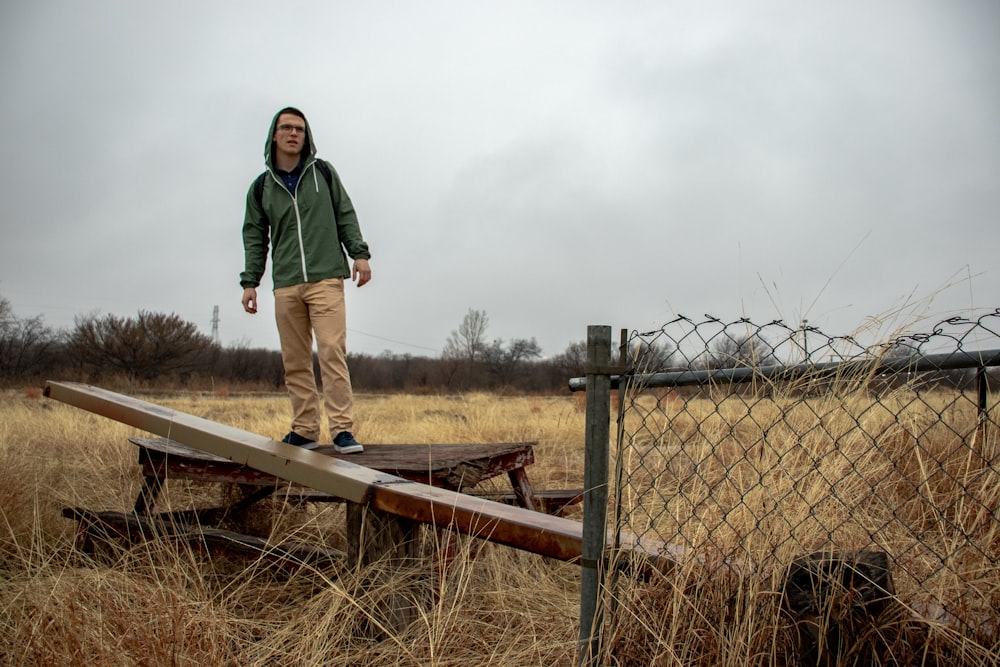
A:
544,534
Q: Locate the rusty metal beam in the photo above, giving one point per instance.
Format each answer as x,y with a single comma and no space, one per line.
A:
543,534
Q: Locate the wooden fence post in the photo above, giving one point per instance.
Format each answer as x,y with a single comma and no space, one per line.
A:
595,483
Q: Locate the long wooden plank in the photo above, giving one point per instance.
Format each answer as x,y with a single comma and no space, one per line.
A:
347,480
543,534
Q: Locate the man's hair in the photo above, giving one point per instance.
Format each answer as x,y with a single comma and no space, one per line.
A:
293,111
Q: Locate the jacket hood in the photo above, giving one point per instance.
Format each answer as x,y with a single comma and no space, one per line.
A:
308,150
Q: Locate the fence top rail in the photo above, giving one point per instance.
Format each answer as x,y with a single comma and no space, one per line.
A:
958,359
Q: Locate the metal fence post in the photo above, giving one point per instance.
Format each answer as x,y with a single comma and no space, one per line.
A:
595,482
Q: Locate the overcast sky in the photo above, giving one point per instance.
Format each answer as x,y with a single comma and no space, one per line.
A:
554,164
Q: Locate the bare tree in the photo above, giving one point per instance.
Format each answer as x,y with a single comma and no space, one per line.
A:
26,345
650,356
468,342
507,361
573,361
6,313
740,351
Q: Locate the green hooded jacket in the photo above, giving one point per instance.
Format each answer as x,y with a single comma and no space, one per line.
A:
308,230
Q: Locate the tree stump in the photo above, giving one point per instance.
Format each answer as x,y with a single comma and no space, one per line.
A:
834,601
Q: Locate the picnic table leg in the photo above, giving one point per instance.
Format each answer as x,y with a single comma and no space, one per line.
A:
84,542
522,489
151,487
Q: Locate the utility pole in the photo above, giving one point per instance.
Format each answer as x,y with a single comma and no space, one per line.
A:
215,326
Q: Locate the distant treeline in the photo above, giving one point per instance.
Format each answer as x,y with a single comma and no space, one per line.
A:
162,350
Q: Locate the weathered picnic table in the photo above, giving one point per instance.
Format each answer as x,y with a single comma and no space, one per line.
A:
456,467
453,467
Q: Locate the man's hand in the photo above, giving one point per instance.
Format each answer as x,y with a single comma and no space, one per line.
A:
362,272
250,300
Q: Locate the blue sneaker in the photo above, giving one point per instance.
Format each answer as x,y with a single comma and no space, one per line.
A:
294,438
346,444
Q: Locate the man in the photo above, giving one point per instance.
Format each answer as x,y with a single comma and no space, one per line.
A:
300,206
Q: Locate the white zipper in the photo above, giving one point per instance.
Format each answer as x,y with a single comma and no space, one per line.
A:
298,229
298,219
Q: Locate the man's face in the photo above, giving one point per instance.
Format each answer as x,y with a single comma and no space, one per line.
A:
290,134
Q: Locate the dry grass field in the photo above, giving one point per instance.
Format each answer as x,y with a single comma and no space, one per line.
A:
162,603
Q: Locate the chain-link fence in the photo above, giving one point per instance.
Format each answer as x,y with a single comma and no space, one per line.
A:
755,444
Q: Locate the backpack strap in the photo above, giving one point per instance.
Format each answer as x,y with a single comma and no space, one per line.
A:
258,195
324,169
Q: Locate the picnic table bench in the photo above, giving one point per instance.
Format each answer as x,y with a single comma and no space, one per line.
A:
456,467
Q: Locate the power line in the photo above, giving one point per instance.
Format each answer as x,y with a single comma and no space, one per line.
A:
392,340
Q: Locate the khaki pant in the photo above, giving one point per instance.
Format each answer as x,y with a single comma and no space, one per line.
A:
301,310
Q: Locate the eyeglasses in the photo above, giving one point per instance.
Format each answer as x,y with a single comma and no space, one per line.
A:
292,128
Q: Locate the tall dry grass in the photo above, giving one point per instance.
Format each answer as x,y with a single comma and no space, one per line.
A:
165,603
